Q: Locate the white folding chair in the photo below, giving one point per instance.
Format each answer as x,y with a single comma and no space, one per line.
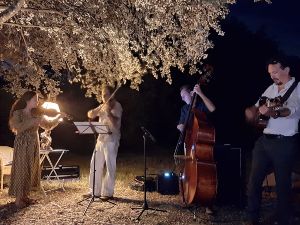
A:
6,157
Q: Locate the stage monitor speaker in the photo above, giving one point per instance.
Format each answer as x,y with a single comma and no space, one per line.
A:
167,183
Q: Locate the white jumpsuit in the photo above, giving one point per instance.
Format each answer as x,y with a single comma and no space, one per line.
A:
106,152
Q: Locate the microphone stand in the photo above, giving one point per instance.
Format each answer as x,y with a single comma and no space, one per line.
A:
145,206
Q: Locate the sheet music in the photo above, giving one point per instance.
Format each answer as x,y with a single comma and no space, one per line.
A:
86,128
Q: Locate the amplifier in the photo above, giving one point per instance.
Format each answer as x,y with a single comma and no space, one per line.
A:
167,183
63,172
230,180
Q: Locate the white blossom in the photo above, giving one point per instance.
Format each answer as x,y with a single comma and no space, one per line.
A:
102,41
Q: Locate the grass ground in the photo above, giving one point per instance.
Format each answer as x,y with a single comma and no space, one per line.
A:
61,207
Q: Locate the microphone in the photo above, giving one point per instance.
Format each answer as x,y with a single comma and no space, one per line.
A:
148,134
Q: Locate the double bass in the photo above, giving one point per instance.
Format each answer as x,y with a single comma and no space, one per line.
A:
199,176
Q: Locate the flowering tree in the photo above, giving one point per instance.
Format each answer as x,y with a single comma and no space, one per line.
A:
101,41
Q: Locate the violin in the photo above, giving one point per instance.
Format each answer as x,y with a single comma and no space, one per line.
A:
40,111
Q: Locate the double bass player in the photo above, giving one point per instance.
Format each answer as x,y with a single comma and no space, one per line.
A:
206,106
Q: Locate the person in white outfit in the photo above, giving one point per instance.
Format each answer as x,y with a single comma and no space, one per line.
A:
106,149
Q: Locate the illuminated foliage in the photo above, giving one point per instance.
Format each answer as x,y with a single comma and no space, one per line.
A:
101,41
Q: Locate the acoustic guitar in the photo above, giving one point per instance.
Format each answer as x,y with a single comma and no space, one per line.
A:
273,103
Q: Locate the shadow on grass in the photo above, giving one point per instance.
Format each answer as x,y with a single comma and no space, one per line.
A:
117,200
8,210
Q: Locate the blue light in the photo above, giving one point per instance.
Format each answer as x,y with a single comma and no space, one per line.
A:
167,174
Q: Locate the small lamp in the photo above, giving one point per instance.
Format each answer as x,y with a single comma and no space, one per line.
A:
53,121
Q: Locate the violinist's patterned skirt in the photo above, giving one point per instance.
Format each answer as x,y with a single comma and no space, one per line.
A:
26,172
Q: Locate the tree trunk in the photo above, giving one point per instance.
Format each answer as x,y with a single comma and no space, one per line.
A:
11,11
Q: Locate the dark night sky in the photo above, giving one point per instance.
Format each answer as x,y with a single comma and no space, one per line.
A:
280,20
240,77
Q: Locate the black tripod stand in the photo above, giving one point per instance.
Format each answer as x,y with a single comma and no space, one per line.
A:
92,128
145,206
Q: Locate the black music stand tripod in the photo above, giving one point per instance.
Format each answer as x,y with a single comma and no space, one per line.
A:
92,128
145,206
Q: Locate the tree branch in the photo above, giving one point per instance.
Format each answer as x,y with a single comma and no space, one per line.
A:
25,43
10,11
22,25
37,10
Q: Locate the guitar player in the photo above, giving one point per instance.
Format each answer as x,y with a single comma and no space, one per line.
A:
277,147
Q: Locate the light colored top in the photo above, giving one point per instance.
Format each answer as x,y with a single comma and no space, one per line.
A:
116,111
287,126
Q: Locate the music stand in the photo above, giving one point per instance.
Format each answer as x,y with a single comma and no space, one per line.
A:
92,127
95,128
145,206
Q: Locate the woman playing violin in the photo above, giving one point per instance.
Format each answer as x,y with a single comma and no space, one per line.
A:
24,123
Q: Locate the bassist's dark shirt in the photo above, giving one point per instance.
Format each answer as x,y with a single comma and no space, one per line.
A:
184,111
